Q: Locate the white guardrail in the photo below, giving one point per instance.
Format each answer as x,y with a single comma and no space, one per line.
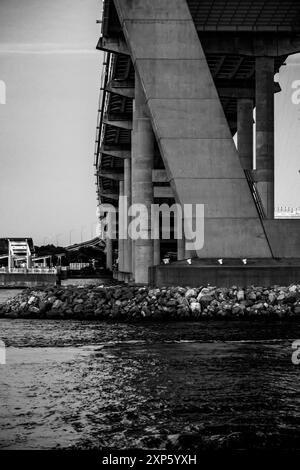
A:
29,270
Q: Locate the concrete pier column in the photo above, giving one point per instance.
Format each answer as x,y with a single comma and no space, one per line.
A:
264,174
180,249
142,188
127,194
121,240
133,146
245,132
156,252
181,243
109,253
156,242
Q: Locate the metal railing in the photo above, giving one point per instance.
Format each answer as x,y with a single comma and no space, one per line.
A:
258,204
41,270
102,106
255,194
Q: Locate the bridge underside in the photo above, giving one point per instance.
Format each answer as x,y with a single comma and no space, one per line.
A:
181,78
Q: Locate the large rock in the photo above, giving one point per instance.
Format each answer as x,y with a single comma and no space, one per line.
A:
240,295
291,298
135,303
205,300
57,304
251,296
191,293
293,288
206,291
296,309
78,308
195,307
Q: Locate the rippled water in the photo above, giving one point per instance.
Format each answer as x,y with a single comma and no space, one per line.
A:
88,384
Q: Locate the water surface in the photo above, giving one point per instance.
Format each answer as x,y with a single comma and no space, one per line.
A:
94,384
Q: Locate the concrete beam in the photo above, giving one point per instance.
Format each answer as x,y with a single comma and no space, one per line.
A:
121,88
109,195
116,176
243,29
163,192
262,44
232,92
114,151
240,93
118,123
158,176
116,45
159,192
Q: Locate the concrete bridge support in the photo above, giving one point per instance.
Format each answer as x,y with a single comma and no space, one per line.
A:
180,249
156,252
188,79
190,126
121,240
109,254
245,132
142,188
127,194
264,174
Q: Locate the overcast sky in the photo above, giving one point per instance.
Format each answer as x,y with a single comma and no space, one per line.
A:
47,128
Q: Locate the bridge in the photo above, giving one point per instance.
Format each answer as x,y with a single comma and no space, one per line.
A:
180,79
94,242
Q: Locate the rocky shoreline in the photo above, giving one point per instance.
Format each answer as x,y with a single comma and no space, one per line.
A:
129,303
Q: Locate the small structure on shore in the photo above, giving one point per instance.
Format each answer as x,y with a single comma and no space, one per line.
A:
17,265
16,253
19,254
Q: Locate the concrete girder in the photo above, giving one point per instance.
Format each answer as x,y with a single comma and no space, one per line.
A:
116,45
163,192
111,175
116,152
109,195
121,88
158,176
248,45
240,93
118,123
159,192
